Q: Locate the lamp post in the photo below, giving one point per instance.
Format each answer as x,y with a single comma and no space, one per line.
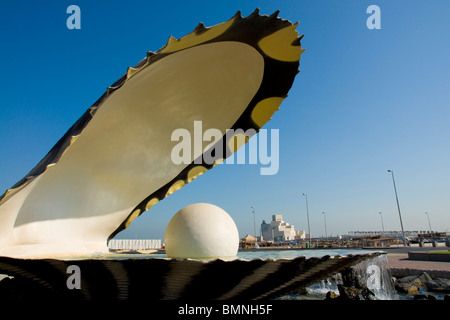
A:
325,222
307,215
398,206
429,224
382,225
254,220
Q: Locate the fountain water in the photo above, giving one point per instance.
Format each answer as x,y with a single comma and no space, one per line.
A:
371,277
374,275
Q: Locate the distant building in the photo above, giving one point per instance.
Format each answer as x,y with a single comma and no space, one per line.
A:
278,230
248,242
249,238
300,235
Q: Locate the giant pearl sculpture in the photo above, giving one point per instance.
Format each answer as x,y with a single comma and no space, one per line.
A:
201,231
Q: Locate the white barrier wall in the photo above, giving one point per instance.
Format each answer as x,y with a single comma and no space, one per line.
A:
134,244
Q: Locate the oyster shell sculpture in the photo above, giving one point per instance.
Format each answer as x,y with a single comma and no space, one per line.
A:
115,162
171,279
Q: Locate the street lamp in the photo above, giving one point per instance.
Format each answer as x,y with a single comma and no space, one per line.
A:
325,221
254,220
429,224
382,225
398,207
307,214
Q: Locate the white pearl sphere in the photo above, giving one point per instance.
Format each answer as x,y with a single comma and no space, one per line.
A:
201,231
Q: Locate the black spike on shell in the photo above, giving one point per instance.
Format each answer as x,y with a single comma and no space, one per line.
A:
109,90
296,42
255,13
200,28
238,15
275,14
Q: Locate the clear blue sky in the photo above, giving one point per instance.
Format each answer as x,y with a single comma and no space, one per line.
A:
365,101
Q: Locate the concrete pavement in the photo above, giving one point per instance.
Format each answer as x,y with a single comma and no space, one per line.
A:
401,266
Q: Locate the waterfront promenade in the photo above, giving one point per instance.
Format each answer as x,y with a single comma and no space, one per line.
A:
398,261
400,265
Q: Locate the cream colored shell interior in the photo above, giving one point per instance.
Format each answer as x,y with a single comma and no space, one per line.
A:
123,154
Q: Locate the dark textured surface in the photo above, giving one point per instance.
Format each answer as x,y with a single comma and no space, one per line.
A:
171,279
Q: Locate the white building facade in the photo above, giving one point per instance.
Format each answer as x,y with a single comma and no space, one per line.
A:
278,230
